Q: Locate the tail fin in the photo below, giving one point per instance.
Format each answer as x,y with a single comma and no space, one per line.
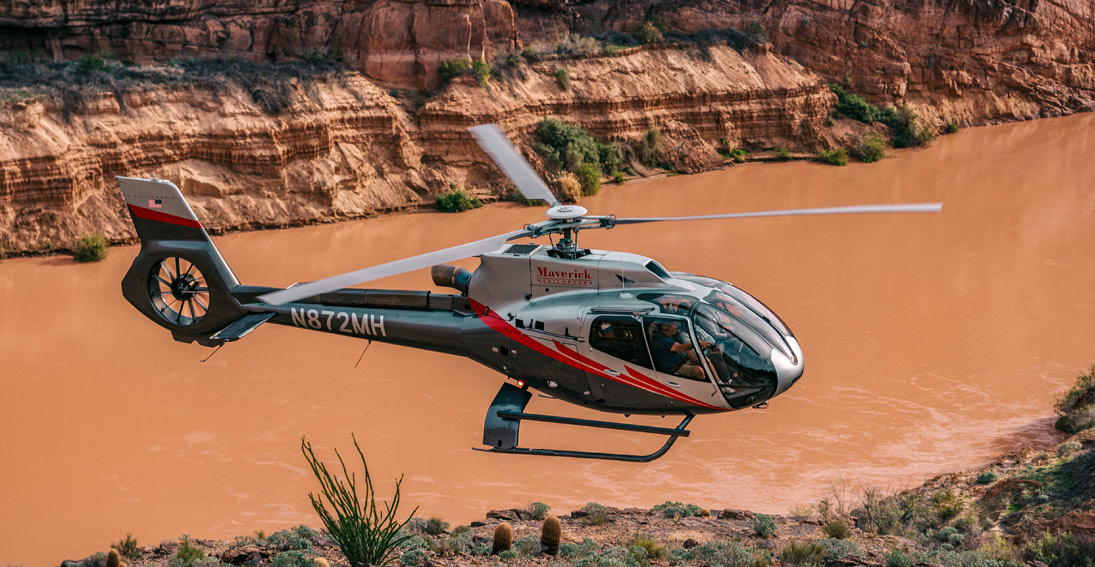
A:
179,279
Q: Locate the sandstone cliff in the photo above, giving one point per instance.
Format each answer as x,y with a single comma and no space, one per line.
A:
345,148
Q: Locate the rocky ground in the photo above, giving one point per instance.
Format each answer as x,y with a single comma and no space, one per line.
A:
1028,507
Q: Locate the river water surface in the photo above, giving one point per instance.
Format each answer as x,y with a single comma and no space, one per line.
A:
932,342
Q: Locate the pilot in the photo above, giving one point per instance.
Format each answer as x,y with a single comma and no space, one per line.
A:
673,356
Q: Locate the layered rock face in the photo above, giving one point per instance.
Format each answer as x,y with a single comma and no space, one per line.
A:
346,148
972,61
401,42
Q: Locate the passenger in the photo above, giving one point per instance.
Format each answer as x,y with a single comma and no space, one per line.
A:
675,357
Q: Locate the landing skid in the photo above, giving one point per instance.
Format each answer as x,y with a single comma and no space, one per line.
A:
506,413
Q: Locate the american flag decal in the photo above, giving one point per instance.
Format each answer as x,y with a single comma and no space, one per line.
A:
155,204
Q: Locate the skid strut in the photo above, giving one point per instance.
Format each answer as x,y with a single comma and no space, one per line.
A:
506,413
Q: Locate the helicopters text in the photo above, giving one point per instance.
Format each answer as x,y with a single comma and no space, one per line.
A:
612,331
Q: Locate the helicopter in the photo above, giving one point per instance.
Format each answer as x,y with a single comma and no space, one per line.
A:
611,331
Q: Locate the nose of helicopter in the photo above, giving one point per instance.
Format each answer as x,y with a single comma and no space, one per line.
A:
788,371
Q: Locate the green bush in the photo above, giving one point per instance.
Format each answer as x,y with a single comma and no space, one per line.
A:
898,558
538,511
802,553
452,69
649,34
590,178
576,551
294,558
127,547
722,553
618,177
596,514
837,549
651,549
297,538
187,554
764,526
562,78
986,477
414,557
2,255
674,510
854,106
481,70
365,535
951,128
569,147
947,503
833,157
91,248
871,148
836,529
784,154
456,200
436,526
650,148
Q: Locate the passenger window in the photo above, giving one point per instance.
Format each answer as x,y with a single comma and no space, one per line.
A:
673,350
622,337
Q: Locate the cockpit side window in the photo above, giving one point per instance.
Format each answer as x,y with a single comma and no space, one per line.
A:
673,349
622,337
743,365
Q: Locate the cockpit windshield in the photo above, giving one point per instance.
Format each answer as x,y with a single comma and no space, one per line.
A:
741,311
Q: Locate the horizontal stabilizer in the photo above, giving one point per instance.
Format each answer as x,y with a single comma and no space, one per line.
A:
238,329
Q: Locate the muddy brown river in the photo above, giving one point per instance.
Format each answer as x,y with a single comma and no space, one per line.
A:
932,343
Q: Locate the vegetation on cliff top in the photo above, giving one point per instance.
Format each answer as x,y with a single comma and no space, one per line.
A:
26,74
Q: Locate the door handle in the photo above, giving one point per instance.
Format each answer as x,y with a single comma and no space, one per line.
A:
674,384
611,372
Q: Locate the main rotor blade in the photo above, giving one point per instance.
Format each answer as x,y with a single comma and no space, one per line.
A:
426,260
912,208
512,163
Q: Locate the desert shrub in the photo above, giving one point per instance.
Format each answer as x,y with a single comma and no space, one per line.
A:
590,178
436,526
898,558
481,70
650,148
676,510
947,504
617,177
871,148
764,526
949,535
596,514
562,78
569,147
364,534
456,200
414,557
567,187
784,154
528,546
722,553
128,546
187,554
91,248
986,477
802,553
836,529
452,69
951,128
576,551
298,538
538,511
836,156
837,549
415,542
999,549
1069,447
1078,398
508,555
294,558
738,155
854,106
903,126
756,31
649,34
651,549
883,515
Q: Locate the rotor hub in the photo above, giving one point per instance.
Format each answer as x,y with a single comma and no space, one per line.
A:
184,287
566,212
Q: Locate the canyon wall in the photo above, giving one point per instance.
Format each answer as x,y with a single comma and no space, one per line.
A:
386,135
346,148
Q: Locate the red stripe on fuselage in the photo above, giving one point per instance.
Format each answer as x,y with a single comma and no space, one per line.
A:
149,214
576,360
